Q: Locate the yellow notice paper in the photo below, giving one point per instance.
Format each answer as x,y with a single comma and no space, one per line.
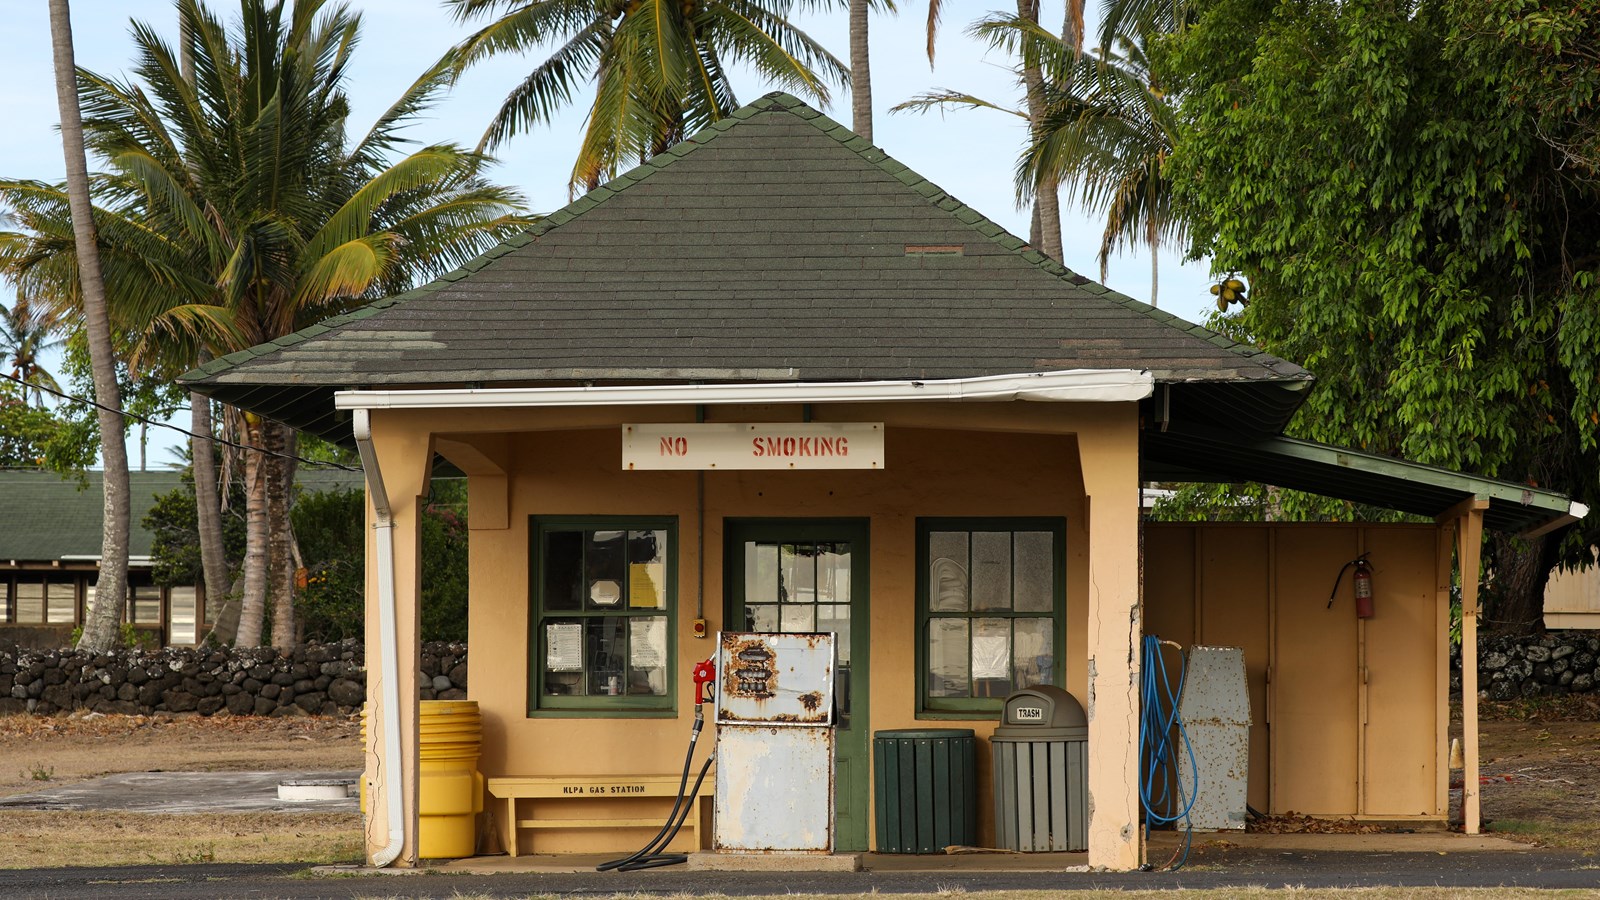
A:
644,591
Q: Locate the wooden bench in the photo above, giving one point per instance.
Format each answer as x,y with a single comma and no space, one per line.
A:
595,787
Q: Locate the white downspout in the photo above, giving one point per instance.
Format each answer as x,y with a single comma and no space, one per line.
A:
388,639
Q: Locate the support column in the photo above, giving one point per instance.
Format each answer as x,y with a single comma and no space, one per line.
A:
1469,547
1110,461
404,460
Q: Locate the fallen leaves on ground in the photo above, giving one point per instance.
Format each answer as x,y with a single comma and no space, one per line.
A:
1294,823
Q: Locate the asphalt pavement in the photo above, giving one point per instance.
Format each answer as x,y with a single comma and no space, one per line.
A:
1208,867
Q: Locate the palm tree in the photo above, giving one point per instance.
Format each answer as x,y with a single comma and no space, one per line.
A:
111,584
243,213
1045,230
25,334
860,70
1098,124
1107,132
659,67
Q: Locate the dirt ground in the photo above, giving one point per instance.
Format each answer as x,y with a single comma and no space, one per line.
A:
41,752
1540,764
1540,768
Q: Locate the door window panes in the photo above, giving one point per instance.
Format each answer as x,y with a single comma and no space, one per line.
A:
990,609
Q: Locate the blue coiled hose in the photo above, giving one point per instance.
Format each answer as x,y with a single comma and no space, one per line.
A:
1160,766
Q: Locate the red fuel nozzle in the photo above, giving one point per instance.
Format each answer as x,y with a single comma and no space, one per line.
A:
704,673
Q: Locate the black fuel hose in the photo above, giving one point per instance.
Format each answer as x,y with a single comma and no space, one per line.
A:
649,856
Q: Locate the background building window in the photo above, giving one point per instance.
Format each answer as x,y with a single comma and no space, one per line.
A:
183,623
991,609
602,612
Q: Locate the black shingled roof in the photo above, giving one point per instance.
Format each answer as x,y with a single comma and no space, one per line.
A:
775,245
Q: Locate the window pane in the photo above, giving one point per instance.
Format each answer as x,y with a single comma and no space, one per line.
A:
799,567
563,657
833,573
836,618
947,576
647,570
761,617
62,603
30,602
563,570
991,570
1035,660
147,604
799,617
760,573
947,658
991,657
1034,571
603,556
182,609
647,656
605,648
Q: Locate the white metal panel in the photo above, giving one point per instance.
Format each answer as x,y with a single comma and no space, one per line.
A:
774,788
1215,708
775,679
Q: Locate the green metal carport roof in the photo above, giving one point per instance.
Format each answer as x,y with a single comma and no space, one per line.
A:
1198,455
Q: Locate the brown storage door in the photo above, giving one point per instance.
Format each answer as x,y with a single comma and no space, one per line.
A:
1403,642
1235,602
1315,734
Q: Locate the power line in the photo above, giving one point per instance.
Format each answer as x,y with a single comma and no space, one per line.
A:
205,437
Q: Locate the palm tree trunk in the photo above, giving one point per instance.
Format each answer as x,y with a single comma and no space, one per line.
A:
1153,238
111,587
213,557
1046,194
860,71
1072,28
253,602
280,478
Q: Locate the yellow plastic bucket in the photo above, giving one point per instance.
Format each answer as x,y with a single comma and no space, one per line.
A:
450,788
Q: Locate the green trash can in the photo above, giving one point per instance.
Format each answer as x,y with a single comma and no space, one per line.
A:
925,788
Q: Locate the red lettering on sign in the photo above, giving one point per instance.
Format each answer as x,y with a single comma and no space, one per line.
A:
802,446
671,446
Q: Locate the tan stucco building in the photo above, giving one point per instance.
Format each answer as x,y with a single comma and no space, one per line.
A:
778,280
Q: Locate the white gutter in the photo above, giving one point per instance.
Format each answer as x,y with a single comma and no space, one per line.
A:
1575,511
388,639
1074,385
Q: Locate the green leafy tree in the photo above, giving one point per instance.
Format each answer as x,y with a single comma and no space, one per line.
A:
239,211
659,67
330,528
33,437
1410,188
26,334
175,547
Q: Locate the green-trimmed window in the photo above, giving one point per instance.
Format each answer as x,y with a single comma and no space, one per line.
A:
991,609
602,605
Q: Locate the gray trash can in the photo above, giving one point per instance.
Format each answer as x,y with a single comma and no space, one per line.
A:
926,789
1041,789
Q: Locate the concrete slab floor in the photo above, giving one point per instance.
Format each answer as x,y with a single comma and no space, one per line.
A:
1160,846
184,792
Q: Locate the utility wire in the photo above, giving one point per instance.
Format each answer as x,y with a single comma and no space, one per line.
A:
205,437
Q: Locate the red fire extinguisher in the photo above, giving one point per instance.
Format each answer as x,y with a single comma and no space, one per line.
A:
1363,586
1363,579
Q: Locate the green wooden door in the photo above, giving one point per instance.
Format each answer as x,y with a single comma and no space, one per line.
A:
800,575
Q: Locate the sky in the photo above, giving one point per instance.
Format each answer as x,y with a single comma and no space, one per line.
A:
969,153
